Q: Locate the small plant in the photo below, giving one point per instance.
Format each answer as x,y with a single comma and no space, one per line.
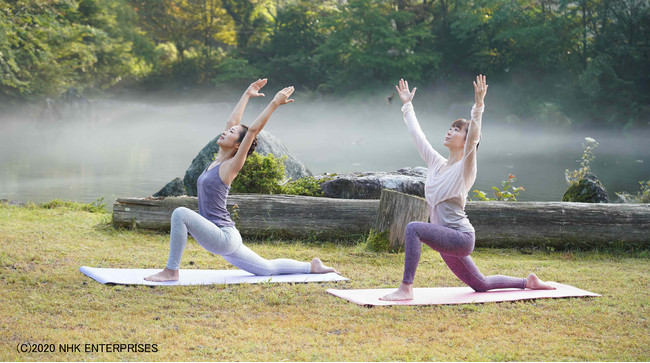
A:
642,196
573,177
508,192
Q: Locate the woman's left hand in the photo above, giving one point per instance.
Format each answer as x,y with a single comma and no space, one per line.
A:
254,89
282,97
480,89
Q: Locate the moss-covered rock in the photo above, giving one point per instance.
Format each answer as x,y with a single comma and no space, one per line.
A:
586,190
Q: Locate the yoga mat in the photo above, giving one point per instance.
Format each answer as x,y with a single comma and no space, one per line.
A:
198,277
457,295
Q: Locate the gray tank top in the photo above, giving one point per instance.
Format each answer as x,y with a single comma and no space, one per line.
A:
212,193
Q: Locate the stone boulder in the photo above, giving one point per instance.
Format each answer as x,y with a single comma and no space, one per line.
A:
174,188
587,190
368,185
266,144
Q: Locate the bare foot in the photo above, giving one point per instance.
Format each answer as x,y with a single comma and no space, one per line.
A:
164,275
317,267
534,283
404,292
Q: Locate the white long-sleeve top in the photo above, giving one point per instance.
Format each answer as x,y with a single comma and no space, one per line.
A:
446,192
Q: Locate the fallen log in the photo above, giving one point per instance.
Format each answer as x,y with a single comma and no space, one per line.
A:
554,224
262,215
559,224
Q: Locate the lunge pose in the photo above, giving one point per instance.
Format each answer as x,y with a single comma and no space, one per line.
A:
447,184
212,227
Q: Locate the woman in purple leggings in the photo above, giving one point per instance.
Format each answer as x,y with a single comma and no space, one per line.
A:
447,184
212,227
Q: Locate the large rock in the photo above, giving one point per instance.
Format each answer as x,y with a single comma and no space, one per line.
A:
266,144
174,188
587,190
368,185
270,144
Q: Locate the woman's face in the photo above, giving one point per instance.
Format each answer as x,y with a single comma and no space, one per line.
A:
455,138
230,139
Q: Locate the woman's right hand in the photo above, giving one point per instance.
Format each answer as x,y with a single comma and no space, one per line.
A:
282,97
254,89
403,91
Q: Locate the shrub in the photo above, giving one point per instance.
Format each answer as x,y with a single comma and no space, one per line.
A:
308,186
264,174
260,174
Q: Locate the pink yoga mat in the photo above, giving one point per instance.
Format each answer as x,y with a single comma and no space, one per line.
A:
457,295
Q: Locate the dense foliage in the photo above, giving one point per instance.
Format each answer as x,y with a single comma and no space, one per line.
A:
588,59
260,174
265,174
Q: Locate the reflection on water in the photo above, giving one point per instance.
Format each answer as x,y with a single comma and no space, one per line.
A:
130,149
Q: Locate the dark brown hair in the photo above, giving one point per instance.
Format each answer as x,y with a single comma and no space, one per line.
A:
461,123
242,134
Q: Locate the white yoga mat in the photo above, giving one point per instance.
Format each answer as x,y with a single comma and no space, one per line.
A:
198,277
457,295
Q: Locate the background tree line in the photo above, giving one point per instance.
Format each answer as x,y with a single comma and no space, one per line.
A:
588,59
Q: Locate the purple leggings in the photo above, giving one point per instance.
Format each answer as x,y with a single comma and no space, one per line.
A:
454,247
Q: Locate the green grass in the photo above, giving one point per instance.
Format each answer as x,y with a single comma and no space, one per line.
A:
45,299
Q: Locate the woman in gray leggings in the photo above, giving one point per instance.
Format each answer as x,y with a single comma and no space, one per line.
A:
212,227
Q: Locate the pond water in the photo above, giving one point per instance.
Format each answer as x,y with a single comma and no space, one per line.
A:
130,149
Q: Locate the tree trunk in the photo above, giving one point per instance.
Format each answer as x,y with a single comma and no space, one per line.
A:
396,210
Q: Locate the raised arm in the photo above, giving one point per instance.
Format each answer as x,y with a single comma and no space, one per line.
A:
252,91
427,152
234,165
474,130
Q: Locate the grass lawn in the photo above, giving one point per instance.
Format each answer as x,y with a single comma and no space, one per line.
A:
45,299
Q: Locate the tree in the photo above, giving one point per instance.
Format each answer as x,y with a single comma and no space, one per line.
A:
365,46
248,18
48,47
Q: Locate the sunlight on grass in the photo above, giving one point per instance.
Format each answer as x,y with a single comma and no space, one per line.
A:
45,299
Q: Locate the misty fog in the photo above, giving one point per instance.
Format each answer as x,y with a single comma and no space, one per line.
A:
132,149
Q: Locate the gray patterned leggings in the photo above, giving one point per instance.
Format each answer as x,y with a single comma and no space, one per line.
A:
454,247
224,241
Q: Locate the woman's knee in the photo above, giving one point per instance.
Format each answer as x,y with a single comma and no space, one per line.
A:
412,229
180,212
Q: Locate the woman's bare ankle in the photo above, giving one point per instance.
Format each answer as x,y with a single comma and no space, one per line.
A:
534,283
404,292
317,267
164,275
